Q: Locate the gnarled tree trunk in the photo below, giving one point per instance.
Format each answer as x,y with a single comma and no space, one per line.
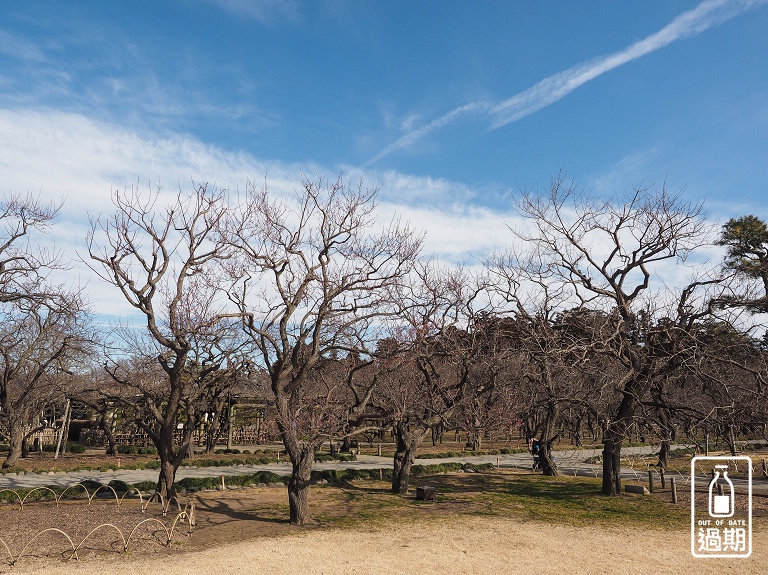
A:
664,453
298,485
15,444
406,443
546,461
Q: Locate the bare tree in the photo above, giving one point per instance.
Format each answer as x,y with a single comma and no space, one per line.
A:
42,326
604,252
163,262
313,280
24,268
38,344
548,358
428,368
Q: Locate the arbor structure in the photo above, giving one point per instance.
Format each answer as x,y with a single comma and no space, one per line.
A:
313,278
163,260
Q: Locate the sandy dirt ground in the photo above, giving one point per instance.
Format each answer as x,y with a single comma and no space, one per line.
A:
471,545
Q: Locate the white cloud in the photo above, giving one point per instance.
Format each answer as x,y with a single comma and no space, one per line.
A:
437,123
17,47
264,11
65,155
456,234
62,155
633,167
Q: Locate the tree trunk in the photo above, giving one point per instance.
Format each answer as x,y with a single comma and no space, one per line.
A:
437,434
106,426
15,445
167,479
611,467
614,434
613,437
546,462
170,458
298,485
475,440
664,453
212,432
405,452
730,438
401,472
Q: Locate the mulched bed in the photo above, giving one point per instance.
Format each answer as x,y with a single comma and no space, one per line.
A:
22,530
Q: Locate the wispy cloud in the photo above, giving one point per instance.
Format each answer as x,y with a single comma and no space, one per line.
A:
64,156
264,11
706,15
449,118
17,47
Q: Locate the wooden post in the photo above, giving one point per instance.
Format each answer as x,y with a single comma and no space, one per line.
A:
674,490
231,423
379,450
719,489
650,481
663,479
68,421
63,428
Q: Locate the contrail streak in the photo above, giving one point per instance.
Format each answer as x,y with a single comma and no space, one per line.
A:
549,90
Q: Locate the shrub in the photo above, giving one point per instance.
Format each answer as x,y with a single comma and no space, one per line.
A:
344,475
477,466
418,470
145,486
119,486
189,483
91,485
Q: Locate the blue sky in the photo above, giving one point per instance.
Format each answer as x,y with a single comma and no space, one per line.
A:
451,106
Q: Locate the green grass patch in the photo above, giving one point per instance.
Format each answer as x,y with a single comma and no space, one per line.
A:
578,501
573,501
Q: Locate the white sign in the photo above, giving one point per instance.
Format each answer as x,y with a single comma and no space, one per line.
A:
721,507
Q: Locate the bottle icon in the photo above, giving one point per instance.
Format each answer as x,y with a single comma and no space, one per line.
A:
721,505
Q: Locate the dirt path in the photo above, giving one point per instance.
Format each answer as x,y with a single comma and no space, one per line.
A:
471,545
